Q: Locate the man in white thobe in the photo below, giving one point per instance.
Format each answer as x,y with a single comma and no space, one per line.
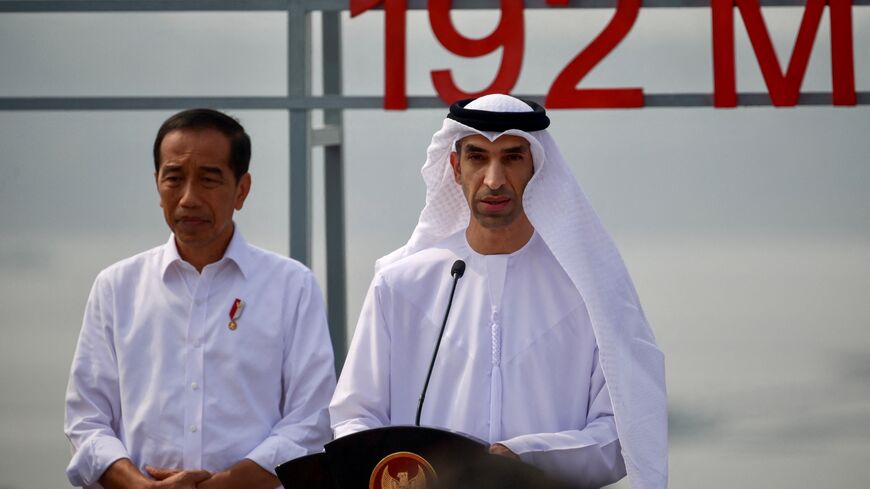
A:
546,354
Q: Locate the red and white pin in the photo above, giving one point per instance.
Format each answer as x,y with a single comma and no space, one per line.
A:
235,313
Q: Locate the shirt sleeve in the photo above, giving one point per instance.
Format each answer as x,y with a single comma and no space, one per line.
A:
587,457
93,397
308,377
362,398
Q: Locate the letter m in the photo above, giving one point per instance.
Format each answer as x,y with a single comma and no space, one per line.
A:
784,89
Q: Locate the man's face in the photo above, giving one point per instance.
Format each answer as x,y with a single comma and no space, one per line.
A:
493,176
198,191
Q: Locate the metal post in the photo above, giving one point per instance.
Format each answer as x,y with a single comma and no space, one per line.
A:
333,156
298,84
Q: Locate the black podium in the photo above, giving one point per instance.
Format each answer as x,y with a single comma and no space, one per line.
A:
394,457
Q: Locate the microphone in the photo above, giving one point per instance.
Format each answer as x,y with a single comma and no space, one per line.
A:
456,271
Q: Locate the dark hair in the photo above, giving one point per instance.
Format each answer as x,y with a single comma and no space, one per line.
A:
240,143
458,147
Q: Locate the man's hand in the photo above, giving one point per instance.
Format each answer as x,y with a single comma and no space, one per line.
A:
177,479
245,473
499,449
160,473
124,475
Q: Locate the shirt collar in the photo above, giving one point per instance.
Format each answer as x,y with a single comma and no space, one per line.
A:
237,251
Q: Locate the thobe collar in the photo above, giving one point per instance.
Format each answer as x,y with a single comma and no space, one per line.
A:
468,252
237,252
485,265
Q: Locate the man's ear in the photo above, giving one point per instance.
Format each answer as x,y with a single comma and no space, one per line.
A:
454,163
242,189
157,184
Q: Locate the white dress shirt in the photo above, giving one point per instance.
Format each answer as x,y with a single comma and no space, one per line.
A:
160,378
518,363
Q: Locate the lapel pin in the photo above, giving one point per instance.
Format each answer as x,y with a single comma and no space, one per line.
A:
235,313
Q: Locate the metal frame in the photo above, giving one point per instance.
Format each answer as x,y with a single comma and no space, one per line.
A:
299,103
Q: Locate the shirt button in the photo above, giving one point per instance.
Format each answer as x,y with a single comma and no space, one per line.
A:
193,429
194,386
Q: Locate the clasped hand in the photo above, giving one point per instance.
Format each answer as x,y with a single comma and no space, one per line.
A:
177,479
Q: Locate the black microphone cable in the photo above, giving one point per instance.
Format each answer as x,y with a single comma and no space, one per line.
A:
456,271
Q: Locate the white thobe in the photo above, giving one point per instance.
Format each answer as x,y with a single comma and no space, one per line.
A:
160,378
517,365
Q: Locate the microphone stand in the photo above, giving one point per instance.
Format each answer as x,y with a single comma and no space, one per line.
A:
457,270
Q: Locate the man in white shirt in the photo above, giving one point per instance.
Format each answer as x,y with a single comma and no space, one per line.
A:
204,362
546,354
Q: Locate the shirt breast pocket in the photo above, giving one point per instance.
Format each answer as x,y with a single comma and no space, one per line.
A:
255,347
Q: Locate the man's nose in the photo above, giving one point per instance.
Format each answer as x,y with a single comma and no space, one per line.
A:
189,195
494,176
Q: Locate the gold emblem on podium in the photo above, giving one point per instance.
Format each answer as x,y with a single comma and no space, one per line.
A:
402,470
